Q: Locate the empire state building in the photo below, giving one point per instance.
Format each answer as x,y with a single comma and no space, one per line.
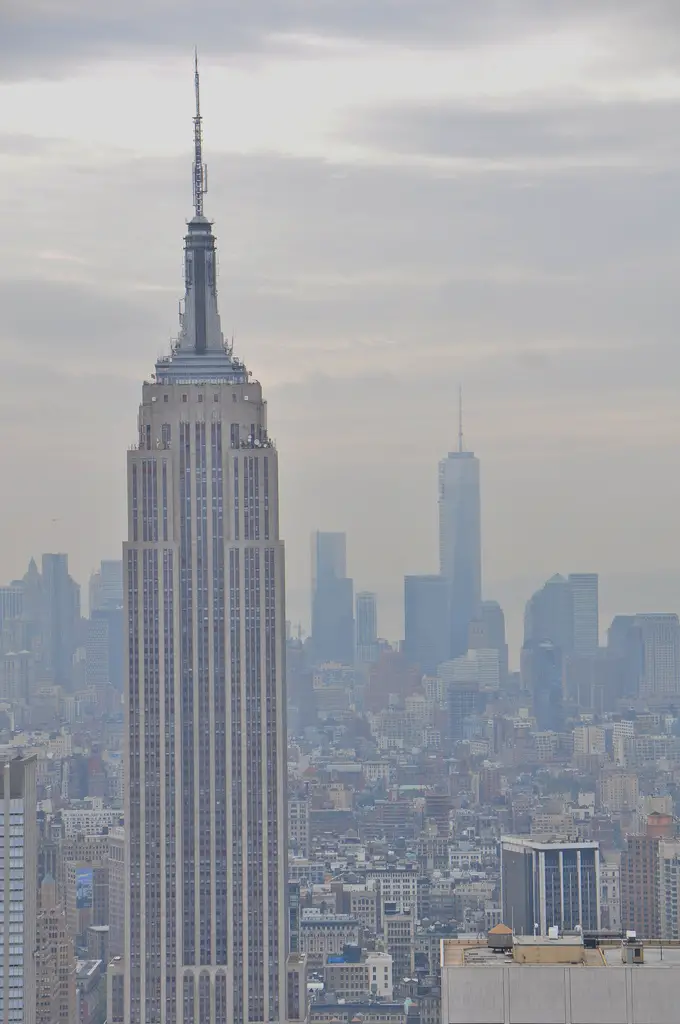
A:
205,818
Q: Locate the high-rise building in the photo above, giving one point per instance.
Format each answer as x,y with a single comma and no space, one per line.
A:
660,635
106,586
542,666
427,621
625,652
640,886
104,647
460,543
60,619
585,608
669,878
548,884
367,627
332,600
18,890
205,815
11,601
493,622
55,960
549,615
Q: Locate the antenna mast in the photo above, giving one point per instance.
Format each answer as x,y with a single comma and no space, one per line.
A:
460,419
200,171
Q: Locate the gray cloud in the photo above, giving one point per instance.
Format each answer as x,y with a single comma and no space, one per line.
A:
598,134
46,37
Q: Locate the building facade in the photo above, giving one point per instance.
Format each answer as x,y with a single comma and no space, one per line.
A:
660,639
205,816
460,542
18,890
367,627
548,884
55,960
427,621
585,606
332,600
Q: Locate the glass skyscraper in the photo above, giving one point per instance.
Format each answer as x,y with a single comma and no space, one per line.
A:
460,542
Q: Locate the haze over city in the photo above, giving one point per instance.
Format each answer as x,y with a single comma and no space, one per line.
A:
339,584
406,197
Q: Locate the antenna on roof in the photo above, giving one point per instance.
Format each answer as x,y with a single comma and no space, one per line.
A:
460,418
200,171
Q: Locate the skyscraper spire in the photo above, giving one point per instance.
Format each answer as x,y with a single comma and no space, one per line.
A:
200,350
460,418
200,171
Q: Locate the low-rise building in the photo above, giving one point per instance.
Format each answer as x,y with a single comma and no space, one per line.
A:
355,975
324,935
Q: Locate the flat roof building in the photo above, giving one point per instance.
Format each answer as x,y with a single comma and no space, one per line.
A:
548,883
544,982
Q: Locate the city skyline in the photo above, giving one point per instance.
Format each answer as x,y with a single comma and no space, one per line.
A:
253,782
524,297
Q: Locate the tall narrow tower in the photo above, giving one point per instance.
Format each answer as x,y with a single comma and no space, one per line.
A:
205,818
460,545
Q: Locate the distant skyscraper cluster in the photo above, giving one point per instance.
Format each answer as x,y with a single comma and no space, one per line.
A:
45,643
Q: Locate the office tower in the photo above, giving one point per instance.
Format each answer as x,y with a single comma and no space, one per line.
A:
660,636
640,886
542,667
11,601
18,890
493,623
669,875
106,586
547,884
60,619
460,543
367,628
332,600
585,609
205,814
464,700
55,961
549,615
626,654
104,647
427,621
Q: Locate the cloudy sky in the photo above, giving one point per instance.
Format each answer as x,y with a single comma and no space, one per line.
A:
408,195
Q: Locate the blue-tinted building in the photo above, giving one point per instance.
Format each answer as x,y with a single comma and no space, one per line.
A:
547,884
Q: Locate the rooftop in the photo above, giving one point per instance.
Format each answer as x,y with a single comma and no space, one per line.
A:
467,953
